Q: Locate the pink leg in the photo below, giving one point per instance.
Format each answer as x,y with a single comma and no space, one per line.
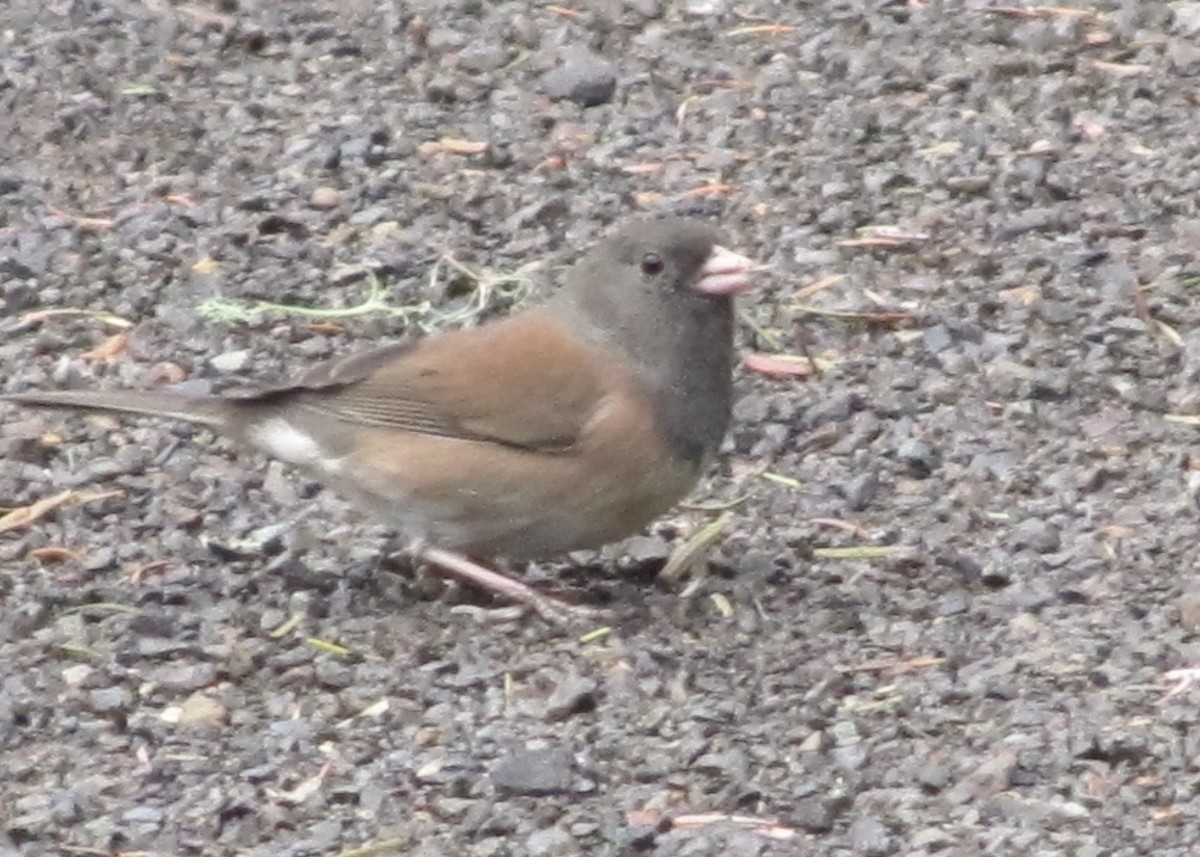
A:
553,611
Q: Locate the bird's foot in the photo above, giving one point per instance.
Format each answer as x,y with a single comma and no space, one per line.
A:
558,613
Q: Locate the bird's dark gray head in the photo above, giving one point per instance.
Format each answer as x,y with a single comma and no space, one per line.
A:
656,276
652,262
660,292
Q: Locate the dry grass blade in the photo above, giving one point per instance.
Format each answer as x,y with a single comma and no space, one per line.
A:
681,111
819,286
1182,680
768,827
136,575
780,479
143,90
839,524
1142,307
722,604
1041,12
886,237
87,224
328,648
595,635
290,624
376,849
866,706
1039,148
374,711
892,664
38,316
862,552
26,515
722,506
205,16
881,317
762,30
82,653
339,651
453,146
100,608
304,790
1169,333
785,365
716,189
694,549
641,169
1183,419
1121,69
768,337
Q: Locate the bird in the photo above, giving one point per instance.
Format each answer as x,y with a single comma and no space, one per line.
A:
564,426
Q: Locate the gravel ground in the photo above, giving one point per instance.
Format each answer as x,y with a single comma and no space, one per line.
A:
205,654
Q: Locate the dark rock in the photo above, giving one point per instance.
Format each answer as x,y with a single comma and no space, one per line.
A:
583,77
534,772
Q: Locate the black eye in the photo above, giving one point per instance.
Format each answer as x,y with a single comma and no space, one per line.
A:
652,264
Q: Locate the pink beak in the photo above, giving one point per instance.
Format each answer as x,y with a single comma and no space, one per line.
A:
726,272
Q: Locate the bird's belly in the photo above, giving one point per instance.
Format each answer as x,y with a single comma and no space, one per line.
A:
596,512
518,504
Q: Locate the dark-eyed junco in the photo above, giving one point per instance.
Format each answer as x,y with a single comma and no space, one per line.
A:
563,427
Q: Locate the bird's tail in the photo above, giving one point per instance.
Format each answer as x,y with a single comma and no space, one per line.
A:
203,410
